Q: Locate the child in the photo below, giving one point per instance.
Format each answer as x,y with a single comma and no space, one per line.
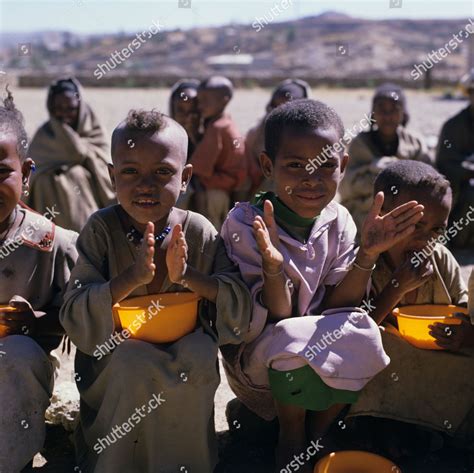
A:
289,89
72,155
427,388
36,257
129,250
219,159
295,250
373,150
183,108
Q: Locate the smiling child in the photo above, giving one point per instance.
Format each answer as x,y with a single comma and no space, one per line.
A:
296,252
36,257
145,245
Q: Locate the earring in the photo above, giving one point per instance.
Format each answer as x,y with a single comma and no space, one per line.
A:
26,192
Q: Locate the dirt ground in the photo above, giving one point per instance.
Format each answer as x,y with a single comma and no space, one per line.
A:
427,112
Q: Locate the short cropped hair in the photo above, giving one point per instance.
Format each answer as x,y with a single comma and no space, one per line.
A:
221,84
411,176
301,114
11,121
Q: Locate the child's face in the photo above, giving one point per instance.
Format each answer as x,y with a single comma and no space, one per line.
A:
211,102
149,172
304,193
13,174
429,228
185,107
65,108
388,114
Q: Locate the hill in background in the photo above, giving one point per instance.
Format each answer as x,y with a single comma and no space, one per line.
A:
330,48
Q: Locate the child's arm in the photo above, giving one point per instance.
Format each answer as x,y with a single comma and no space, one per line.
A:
406,278
180,272
276,295
379,233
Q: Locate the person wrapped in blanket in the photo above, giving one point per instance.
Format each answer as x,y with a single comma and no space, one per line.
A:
71,155
455,159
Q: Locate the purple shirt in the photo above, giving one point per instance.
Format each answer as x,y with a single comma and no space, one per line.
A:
322,261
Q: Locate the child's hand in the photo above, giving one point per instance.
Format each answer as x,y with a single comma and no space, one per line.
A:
266,236
18,323
408,277
144,266
454,337
381,232
177,255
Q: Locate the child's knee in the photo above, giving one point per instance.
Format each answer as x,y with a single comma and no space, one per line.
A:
130,355
20,352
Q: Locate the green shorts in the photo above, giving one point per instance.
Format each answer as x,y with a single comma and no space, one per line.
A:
303,387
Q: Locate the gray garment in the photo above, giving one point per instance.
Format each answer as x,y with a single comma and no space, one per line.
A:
36,271
456,145
425,387
72,167
180,432
26,386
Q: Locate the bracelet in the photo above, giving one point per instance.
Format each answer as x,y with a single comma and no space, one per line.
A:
358,266
272,275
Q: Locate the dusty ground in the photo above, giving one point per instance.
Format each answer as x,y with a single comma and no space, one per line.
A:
427,115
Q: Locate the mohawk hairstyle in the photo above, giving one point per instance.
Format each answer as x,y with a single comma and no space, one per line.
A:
11,121
143,120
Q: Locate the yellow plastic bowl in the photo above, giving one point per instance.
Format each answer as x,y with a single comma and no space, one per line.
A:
353,461
5,310
176,317
414,320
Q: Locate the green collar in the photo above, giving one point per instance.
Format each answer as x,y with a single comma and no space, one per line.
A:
283,212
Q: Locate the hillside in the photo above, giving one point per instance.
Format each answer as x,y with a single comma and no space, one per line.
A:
329,47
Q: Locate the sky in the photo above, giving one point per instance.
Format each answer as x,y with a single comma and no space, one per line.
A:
100,16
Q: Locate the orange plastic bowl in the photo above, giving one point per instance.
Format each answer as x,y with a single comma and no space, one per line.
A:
414,321
159,318
353,461
5,311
